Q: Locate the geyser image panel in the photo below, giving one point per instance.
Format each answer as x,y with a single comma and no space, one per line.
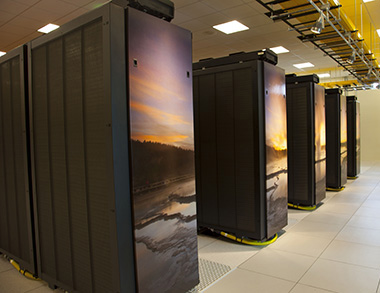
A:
343,139
320,143
276,148
162,152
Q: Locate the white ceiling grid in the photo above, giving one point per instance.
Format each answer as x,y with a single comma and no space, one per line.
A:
19,20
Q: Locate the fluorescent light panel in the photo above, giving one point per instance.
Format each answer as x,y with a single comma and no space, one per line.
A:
368,1
2,53
48,28
231,27
279,50
303,65
378,32
322,75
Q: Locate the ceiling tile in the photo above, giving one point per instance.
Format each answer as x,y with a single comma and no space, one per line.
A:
194,25
258,7
181,3
55,6
16,30
21,41
222,4
78,3
196,10
40,14
9,37
257,20
5,16
240,12
78,12
12,7
27,2
204,34
214,19
95,4
180,17
26,22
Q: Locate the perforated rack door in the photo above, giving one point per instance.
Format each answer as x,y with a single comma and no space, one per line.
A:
16,239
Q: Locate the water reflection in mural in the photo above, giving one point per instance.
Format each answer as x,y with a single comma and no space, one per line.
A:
162,154
276,149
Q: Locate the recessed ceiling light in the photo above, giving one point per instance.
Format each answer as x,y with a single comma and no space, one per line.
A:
322,75
368,1
231,27
2,53
279,50
303,65
48,28
378,32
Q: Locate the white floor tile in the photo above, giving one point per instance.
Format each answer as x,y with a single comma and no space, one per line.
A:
297,214
46,289
317,229
364,188
364,222
349,198
360,235
353,253
4,265
280,264
228,253
368,212
241,280
13,282
374,196
204,240
339,208
372,203
291,223
299,288
340,277
328,218
298,243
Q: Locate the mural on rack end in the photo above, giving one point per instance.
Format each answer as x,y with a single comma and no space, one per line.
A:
162,151
343,138
320,142
276,149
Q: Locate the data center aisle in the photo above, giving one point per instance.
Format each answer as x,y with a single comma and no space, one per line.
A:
335,248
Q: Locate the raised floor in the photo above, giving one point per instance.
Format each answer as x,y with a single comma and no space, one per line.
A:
335,248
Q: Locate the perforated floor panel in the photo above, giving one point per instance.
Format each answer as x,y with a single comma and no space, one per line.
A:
209,272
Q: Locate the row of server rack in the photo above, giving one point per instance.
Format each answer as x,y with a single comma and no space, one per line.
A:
115,149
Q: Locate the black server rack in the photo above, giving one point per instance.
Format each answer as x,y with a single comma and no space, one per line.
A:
353,137
336,140
16,226
240,144
113,154
306,140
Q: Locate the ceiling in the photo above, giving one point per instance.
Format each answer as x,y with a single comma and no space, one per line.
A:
20,19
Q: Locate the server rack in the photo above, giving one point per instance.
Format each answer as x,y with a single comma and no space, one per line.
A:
306,140
240,144
353,136
336,139
16,224
112,148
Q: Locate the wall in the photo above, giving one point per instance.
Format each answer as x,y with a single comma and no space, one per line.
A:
370,124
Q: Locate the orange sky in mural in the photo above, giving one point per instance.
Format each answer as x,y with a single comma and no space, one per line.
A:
158,115
275,112
160,85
